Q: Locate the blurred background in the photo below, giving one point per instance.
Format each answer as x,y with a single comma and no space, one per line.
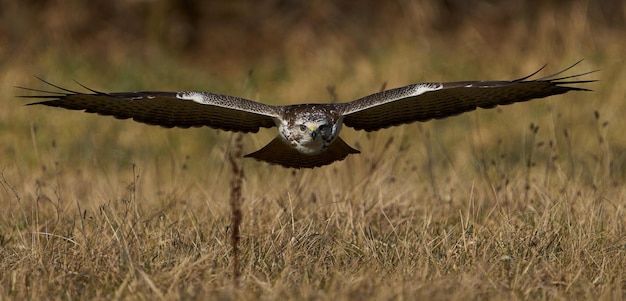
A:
226,39
290,51
469,200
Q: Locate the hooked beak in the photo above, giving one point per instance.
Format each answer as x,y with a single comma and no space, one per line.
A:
314,130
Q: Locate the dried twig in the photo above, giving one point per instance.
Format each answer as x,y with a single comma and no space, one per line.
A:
235,204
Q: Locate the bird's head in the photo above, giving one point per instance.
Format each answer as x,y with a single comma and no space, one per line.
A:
311,132
313,136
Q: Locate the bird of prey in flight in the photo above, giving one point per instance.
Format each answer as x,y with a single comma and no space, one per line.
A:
308,134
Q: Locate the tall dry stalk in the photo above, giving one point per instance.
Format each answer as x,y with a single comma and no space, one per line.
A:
235,205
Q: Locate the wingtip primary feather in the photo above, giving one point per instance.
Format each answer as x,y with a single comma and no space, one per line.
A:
530,75
553,77
53,95
56,86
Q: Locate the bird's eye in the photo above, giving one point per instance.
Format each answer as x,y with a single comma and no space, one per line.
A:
322,127
303,127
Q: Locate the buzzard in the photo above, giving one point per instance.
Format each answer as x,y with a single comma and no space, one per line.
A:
308,134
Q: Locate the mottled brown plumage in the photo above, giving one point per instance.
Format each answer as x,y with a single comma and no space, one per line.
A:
308,134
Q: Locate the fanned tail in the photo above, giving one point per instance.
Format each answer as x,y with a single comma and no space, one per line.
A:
278,152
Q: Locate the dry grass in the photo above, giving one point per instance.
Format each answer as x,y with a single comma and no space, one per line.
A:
519,202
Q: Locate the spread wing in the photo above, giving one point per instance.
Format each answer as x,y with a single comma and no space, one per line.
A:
422,102
167,109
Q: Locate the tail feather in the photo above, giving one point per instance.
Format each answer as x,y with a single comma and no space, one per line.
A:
278,152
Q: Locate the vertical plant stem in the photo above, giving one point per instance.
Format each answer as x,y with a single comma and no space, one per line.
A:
235,205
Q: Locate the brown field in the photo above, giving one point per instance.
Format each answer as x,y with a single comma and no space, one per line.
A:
522,202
